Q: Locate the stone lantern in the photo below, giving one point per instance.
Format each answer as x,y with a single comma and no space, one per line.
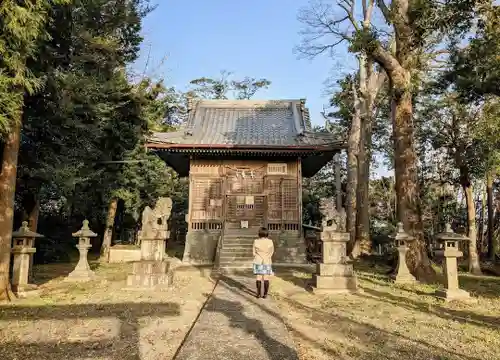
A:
449,249
401,240
23,249
82,270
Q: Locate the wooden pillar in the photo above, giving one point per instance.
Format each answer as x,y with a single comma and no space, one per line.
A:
282,203
299,190
338,182
190,197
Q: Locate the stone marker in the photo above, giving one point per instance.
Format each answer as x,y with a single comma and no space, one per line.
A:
82,270
22,250
451,291
402,239
334,274
152,270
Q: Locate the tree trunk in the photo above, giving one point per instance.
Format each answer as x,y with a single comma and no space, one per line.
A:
32,211
7,193
31,205
363,205
489,198
352,172
481,222
474,266
369,91
407,189
108,233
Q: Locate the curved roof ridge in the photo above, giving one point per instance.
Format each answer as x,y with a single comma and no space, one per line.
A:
246,103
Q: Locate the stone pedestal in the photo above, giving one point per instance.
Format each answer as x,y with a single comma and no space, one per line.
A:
20,271
153,246
152,270
451,290
403,275
334,274
82,271
22,250
148,274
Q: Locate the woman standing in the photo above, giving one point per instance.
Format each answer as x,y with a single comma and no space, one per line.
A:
263,250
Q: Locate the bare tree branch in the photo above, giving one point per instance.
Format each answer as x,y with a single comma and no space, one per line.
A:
367,12
324,28
385,10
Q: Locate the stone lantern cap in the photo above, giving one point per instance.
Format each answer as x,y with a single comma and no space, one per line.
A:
449,237
85,231
402,237
25,232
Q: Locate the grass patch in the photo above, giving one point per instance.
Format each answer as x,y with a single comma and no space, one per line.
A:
388,321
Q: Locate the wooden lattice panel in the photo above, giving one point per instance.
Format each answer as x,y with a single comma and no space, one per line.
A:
290,200
206,199
273,191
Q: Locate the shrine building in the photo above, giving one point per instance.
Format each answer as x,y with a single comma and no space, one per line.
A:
245,160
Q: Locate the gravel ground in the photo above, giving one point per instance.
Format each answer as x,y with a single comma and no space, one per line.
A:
391,322
99,319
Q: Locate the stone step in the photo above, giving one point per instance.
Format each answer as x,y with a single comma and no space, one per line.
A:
237,242
235,249
243,238
244,265
232,257
253,234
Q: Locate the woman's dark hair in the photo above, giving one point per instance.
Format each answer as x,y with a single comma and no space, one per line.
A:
263,233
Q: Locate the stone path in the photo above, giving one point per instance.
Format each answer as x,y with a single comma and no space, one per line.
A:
236,325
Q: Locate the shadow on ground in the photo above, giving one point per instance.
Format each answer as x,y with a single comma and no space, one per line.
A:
124,346
366,341
462,316
233,310
242,332
355,337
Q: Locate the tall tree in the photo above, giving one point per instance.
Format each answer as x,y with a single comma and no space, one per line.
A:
22,24
323,32
475,74
157,107
88,113
475,67
417,27
450,128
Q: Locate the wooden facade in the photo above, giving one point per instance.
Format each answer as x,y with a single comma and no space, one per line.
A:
225,193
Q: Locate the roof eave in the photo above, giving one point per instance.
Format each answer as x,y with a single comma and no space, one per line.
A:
166,146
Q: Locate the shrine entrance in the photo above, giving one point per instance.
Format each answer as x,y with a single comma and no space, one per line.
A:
245,211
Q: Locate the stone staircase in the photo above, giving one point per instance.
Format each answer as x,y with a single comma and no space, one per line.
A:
236,251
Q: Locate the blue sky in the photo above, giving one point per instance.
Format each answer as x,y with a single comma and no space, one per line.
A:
249,38
198,38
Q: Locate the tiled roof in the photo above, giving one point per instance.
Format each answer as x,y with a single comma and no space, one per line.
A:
247,123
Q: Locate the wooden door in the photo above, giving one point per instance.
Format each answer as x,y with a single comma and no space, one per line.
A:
248,208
